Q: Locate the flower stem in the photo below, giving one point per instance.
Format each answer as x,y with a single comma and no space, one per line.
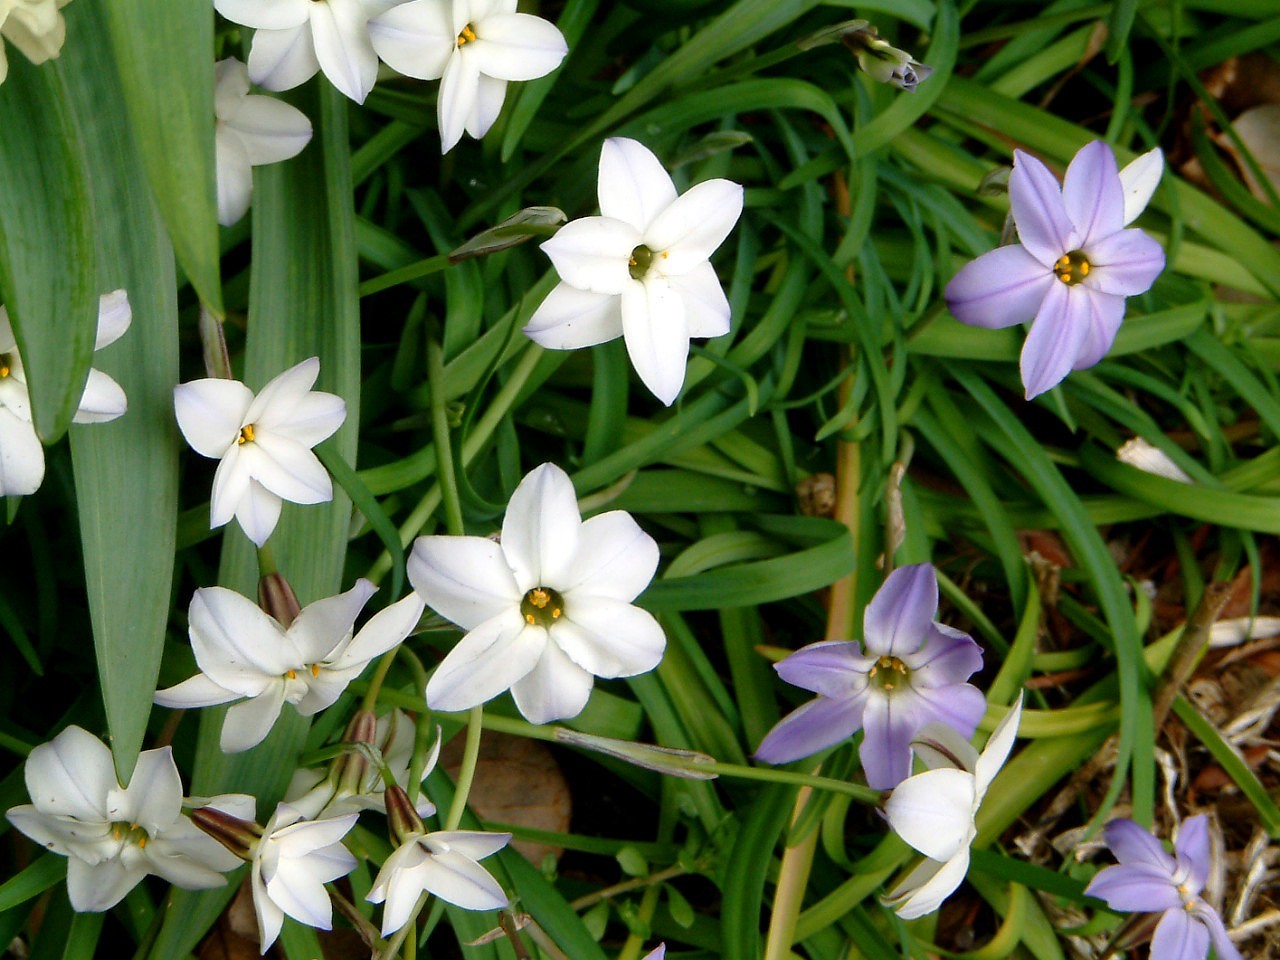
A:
213,345
467,774
266,561
367,931
635,883
418,760
392,947
793,877
379,675
447,479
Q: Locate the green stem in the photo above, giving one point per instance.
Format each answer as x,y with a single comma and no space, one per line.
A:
467,774
266,561
379,675
413,271
447,479
418,760
793,878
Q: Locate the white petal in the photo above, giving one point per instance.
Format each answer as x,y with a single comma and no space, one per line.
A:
197,691
1139,178
258,512
283,59
302,897
609,638
385,629
270,917
71,775
416,38
928,885
21,456
323,625
231,482
461,881
615,558
570,318
464,579
230,86
486,662
342,46
540,530
114,316
555,689
688,231
276,401
472,844
286,468
265,14
941,747
459,87
234,175
997,749
490,93
103,400
63,835
656,330
153,799
633,186
210,413
933,812
594,253
315,417
271,130
100,886
237,645
248,723
518,46
705,305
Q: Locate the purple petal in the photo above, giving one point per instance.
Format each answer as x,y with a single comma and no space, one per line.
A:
1179,937
1193,851
1043,225
1125,263
1104,316
816,725
998,289
1056,336
1222,945
1137,887
948,656
889,722
834,668
900,615
960,705
1131,844
1092,192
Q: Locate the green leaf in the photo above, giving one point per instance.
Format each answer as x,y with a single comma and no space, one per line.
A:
174,132
47,279
126,471
32,881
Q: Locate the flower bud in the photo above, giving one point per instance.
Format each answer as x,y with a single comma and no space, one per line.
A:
402,820
688,764
363,728
277,598
884,63
239,836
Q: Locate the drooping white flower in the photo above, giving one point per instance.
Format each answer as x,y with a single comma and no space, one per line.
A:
474,48
245,655
292,862
115,835
21,455
935,811
295,38
1139,178
640,270
33,26
547,610
249,131
264,443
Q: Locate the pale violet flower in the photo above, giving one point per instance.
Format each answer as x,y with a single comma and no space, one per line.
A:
246,656
33,26
474,48
294,38
547,610
640,270
21,454
935,811
292,862
263,442
658,953
115,835
1074,265
249,131
912,673
1149,880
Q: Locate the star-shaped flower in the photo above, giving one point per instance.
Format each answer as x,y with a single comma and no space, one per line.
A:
548,609
249,131
247,656
474,48
640,270
935,811
264,443
21,454
115,835
295,38
1073,268
912,673
1148,880
33,26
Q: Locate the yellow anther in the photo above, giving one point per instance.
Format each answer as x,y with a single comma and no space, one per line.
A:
1071,268
246,434
530,618
4,370
555,613
142,842
467,35
315,669
291,675
539,598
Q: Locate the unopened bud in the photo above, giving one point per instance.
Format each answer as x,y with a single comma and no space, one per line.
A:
363,728
876,58
402,820
238,836
669,760
520,227
277,598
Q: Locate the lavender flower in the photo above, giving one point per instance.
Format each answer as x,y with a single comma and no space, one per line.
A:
1071,271
912,673
1148,880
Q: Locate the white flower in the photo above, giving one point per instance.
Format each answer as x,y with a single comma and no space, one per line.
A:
245,655
33,26
114,835
442,863
1139,178
474,47
21,455
292,862
548,609
640,270
249,131
264,443
1146,456
934,811
295,38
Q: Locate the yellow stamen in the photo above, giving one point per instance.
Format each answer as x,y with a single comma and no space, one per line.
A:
539,597
4,370
315,669
1072,267
291,675
246,434
467,35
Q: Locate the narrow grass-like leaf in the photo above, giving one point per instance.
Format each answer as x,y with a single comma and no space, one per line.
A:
49,869
1232,763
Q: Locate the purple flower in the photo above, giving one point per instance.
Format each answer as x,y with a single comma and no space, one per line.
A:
912,673
1071,271
1148,880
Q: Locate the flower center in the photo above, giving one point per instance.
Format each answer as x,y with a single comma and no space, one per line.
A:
1072,267
542,606
888,673
124,832
246,434
641,260
468,35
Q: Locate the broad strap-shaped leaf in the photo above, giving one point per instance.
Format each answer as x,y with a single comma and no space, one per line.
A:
47,279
